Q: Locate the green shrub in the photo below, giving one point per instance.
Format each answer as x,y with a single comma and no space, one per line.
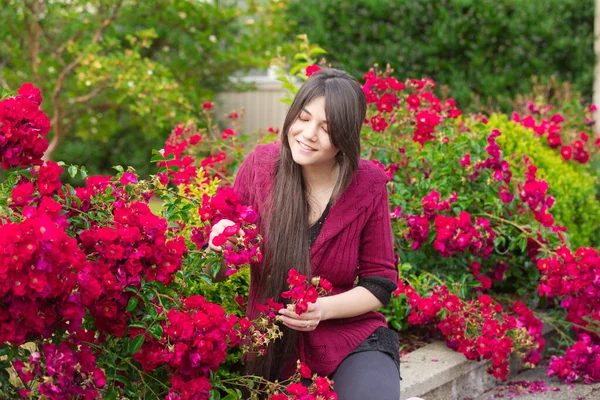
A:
573,187
485,47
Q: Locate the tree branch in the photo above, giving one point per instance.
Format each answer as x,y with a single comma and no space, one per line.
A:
33,36
58,111
87,97
44,32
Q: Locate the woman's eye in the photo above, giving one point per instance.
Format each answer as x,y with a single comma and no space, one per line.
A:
325,129
302,118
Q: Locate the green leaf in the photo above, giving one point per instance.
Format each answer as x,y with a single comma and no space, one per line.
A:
72,170
296,68
317,50
214,268
301,56
138,324
136,344
118,168
156,331
215,395
132,304
123,379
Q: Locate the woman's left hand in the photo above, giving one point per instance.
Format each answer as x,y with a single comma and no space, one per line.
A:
306,322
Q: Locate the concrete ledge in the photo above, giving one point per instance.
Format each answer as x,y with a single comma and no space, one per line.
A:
435,372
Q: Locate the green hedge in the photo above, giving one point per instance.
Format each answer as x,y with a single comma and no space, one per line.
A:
574,188
487,47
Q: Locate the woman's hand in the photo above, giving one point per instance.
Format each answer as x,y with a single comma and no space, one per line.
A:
306,322
218,229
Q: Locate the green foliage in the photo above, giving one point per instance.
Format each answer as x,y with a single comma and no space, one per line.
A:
124,72
489,48
571,184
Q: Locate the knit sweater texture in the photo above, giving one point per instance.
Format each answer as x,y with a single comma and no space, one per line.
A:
355,242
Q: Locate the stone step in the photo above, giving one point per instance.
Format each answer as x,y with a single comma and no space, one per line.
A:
435,372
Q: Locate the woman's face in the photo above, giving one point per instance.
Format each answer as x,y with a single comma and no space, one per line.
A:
308,137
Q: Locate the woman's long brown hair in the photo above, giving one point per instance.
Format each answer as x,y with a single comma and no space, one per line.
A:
286,222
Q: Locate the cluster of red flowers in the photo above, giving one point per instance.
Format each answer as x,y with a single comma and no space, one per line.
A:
23,129
303,292
135,246
477,328
581,361
534,194
575,279
184,172
319,389
496,274
500,168
432,204
552,126
418,230
452,234
194,344
459,235
62,372
389,170
225,204
426,109
38,274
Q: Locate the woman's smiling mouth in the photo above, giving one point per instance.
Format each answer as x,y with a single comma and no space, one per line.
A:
305,147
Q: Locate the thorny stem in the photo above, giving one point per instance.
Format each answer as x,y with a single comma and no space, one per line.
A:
191,200
140,373
519,227
554,326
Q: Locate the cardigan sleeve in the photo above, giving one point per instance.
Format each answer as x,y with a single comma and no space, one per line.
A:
244,180
376,252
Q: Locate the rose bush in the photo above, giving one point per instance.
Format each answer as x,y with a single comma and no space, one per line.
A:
101,298
463,215
92,278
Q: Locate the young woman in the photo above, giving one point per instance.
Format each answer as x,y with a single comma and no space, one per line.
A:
325,213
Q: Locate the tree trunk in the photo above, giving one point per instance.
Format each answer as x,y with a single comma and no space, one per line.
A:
596,99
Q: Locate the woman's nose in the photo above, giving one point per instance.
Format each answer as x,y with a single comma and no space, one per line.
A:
311,132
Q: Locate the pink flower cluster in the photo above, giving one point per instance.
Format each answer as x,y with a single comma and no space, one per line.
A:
303,292
23,129
476,328
62,372
575,279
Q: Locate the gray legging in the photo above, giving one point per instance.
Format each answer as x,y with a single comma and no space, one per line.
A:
367,375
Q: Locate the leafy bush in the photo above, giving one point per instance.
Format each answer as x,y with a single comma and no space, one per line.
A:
120,74
571,184
488,48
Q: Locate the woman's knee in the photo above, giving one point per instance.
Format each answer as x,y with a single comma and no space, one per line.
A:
369,374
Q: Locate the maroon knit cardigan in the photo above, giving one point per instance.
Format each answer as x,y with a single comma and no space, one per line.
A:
355,242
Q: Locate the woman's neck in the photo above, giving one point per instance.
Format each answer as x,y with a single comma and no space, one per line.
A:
320,177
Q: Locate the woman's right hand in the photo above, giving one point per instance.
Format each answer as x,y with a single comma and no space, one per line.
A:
218,229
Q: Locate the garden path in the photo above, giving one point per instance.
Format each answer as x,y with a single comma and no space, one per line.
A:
533,384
